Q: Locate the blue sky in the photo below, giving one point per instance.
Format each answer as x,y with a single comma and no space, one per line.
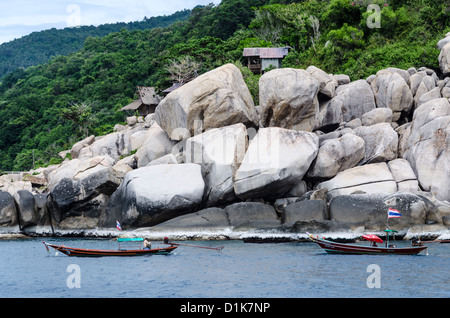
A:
21,17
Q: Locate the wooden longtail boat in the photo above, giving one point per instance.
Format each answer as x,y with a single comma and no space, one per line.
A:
341,248
72,251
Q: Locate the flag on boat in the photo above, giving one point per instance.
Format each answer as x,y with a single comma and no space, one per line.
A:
392,213
46,247
118,226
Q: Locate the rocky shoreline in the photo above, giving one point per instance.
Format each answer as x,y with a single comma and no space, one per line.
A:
225,234
319,154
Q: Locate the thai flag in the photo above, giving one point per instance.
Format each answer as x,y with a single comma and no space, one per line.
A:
392,213
118,226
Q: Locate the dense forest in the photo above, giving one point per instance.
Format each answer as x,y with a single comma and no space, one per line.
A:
47,108
38,47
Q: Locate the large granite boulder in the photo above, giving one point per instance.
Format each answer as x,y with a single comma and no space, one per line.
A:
239,216
376,116
154,194
444,59
426,147
43,215
404,175
392,91
219,151
327,82
342,79
415,80
355,211
337,154
415,209
288,99
434,93
350,101
138,138
403,131
209,219
371,178
217,98
441,43
421,85
26,205
8,212
446,91
369,211
76,148
155,144
123,166
305,210
114,145
381,142
82,188
252,215
276,160
12,183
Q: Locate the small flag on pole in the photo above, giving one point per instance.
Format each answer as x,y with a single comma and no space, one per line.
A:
48,251
392,213
118,226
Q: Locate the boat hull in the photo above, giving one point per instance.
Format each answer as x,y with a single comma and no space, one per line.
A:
339,248
81,252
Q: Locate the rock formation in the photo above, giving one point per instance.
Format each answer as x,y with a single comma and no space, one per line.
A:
319,153
427,149
220,152
288,99
338,154
153,194
215,99
444,56
276,160
351,101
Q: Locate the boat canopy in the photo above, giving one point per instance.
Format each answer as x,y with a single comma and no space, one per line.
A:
130,239
372,237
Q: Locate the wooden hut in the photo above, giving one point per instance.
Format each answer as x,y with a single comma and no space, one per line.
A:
147,102
260,58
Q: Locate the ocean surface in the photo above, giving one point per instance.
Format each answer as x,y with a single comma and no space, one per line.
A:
240,270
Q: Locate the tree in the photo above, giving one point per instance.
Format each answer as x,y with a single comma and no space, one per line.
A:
286,25
347,37
183,70
81,115
266,27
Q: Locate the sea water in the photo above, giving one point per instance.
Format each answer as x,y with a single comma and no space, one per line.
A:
240,270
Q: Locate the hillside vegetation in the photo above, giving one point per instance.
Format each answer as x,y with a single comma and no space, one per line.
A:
47,108
39,47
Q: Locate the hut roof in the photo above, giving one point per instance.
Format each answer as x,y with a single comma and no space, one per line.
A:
147,96
172,88
267,52
133,106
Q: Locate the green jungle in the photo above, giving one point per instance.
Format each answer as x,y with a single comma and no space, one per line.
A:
73,82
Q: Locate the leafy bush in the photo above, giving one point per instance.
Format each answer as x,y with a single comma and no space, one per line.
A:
347,37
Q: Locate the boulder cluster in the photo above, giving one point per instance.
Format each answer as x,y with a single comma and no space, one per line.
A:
320,152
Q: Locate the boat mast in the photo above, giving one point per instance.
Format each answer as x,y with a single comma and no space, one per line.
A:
387,229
